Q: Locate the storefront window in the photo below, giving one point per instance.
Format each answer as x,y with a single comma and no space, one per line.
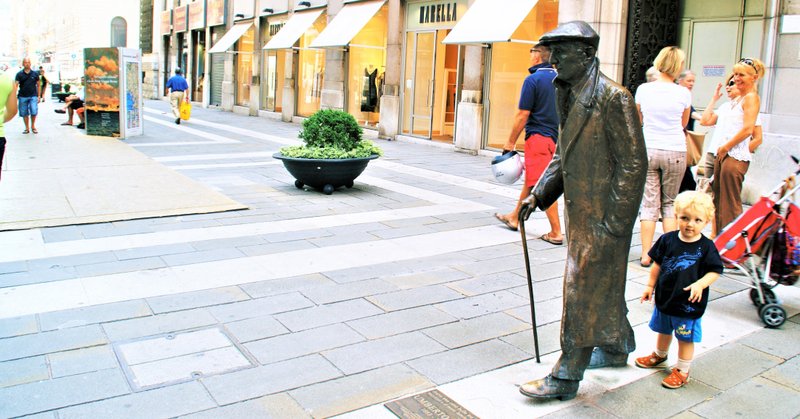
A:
274,67
244,67
367,70
311,70
509,67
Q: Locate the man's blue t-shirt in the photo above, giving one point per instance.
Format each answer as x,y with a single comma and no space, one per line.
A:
681,265
177,83
539,96
27,83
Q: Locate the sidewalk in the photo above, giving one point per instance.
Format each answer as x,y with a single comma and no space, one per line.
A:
307,305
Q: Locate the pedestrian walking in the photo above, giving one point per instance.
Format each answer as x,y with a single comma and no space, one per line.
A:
664,109
42,84
599,166
27,84
685,264
537,115
177,87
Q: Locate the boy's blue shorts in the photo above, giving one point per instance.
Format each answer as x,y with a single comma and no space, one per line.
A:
687,330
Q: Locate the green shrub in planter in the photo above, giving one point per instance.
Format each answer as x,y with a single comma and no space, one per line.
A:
331,134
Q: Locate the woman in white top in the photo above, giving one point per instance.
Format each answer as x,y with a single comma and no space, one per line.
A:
735,126
664,109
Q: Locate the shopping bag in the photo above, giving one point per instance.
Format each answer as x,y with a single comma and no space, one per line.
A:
186,110
694,147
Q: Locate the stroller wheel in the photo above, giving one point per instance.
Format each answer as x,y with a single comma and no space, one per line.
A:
769,296
773,315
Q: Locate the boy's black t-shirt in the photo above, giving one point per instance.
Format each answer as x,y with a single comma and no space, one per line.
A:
681,265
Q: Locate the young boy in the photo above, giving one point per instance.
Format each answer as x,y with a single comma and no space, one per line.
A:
685,264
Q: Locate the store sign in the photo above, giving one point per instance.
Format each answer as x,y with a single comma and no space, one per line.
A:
215,12
274,28
197,14
179,16
435,14
713,70
166,22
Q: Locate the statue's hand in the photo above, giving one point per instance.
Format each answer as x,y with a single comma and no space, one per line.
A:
528,207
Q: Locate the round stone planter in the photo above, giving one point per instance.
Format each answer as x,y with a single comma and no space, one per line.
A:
324,174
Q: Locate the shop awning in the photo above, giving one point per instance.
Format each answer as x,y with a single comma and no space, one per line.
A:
230,37
347,24
293,29
489,21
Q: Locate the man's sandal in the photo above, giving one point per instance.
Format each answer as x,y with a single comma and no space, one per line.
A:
650,361
675,380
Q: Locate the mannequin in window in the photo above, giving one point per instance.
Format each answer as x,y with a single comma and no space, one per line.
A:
369,93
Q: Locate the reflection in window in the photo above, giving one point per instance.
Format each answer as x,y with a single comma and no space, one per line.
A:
119,32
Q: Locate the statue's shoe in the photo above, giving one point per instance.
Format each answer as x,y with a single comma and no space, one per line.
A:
550,388
603,359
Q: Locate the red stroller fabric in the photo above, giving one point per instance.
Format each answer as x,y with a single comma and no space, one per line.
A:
760,221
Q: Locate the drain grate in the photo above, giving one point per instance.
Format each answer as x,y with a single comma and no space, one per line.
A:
177,357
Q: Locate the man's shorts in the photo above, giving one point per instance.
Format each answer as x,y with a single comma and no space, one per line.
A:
28,106
687,330
539,150
76,104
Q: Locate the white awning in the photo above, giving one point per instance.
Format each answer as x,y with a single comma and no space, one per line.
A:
230,37
489,21
294,28
347,24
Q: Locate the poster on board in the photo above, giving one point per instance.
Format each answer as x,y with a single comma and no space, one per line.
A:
102,74
131,92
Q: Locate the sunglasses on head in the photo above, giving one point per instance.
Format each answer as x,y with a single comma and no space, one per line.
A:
535,50
748,62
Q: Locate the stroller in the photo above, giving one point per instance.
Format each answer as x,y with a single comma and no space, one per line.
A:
763,245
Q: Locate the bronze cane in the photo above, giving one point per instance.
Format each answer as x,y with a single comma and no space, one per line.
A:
523,214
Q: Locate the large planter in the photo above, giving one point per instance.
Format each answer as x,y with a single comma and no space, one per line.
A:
324,174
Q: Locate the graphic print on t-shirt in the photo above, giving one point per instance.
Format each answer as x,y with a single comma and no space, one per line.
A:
681,262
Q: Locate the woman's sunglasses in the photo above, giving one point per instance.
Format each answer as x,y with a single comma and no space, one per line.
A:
748,62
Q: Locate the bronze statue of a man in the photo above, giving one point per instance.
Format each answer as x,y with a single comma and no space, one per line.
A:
599,167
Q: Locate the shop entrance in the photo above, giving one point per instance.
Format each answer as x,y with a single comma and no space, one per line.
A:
430,85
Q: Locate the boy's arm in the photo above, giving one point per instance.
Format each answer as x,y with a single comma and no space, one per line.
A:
697,287
647,295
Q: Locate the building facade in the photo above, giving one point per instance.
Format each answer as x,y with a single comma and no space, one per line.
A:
451,70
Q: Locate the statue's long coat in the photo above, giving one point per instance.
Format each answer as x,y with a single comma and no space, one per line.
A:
600,167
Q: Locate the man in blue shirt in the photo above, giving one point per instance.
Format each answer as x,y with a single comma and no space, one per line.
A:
177,87
537,115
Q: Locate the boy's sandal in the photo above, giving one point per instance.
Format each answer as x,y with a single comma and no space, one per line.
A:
675,380
650,361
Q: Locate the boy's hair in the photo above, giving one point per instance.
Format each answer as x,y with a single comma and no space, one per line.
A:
698,201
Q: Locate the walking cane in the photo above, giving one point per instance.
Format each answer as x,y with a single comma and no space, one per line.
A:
521,221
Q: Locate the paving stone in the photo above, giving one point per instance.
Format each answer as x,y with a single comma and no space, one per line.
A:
260,307
25,370
355,391
341,239
71,260
361,273
549,339
341,292
755,398
151,251
787,373
503,264
61,392
48,342
583,410
201,256
466,332
327,314
731,364
37,276
276,406
273,378
542,290
268,249
61,233
398,322
298,344
488,283
422,279
158,324
296,235
378,353
129,265
256,328
647,399
65,319
80,361
12,267
482,304
163,402
416,297
547,312
467,361
227,243
783,342
16,326
187,300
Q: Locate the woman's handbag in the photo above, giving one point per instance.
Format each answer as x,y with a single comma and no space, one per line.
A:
694,147
186,110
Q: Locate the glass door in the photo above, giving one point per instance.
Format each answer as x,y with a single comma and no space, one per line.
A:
419,83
